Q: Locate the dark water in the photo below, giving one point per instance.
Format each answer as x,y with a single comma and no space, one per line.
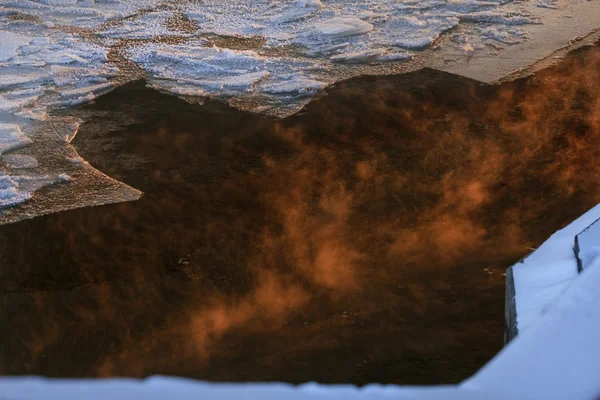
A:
364,240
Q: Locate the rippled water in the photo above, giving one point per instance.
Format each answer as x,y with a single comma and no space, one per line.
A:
364,240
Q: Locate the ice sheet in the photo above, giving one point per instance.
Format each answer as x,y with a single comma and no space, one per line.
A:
261,56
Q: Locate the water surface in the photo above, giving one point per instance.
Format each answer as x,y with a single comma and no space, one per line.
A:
363,240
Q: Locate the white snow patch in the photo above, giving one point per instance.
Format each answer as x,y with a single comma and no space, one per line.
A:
560,349
543,275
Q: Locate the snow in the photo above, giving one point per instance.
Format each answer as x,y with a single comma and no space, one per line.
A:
587,245
560,350
155,388
544,275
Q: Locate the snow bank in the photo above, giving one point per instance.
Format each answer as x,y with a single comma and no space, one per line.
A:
155,388
557,356
587,245
541,277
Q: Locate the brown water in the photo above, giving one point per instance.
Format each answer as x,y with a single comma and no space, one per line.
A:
364,240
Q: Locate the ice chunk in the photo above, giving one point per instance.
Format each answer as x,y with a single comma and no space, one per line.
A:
19,161
8,79
9,192
309,3
85,90
12,138
145,26
60,3
506,36
412,32
512,18
67,75
547,4
16,189
65,128
338,27
294,84
370,56
9,43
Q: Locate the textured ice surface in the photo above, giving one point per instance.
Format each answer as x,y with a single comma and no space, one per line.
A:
11,138
238,48
19,161
16,189
259,55
9,43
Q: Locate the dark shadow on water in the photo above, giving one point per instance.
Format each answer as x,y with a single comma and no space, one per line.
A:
362,241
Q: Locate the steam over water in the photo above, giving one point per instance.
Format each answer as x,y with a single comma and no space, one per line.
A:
364,240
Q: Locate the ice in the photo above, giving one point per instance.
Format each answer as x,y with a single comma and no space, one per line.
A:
552,4
65,75
412,32
19,161
295,84
145,26
8,80
213,71
503,35
86,90
500,18
9,43
371,56
336,28
258,55
59,2
12,138
65,128
16,189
